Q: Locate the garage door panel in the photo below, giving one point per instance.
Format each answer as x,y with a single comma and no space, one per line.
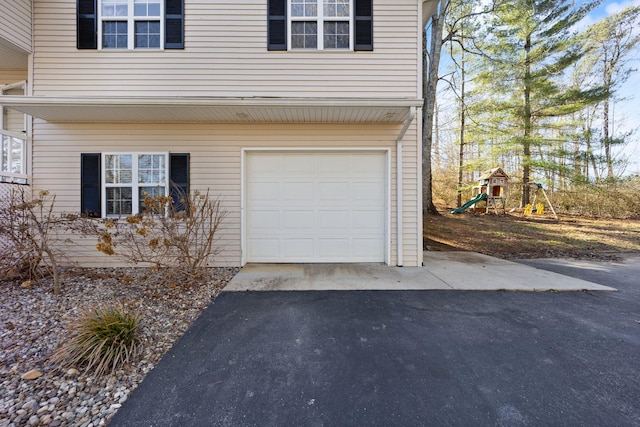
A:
368,192
296,165
299,249
264,164
338,191
300,220
264,191
334,163
298,190
261,248
334,219
368,220
369,164
333,248
367,248
316,206
264,220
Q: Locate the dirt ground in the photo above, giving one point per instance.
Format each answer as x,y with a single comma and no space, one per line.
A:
515,236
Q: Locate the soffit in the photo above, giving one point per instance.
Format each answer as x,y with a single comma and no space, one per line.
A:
12,57
213,110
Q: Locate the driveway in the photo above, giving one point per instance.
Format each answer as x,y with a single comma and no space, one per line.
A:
405,358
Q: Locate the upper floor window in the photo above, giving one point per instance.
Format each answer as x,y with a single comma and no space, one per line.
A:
130,24
320,24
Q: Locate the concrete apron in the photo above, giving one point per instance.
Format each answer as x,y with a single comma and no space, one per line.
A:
442,270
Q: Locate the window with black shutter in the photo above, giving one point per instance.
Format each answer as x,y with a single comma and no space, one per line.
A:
130,24
363,25
277,25
128,179
90,185
174,24
87,24
320,25
179,180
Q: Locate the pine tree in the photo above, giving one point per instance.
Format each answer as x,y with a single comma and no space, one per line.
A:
529,47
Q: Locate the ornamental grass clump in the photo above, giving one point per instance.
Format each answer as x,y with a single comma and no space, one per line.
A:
102,339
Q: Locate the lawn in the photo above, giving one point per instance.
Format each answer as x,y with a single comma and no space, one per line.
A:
516,236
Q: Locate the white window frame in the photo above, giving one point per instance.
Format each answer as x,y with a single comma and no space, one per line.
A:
320,19
7,140
131,26
134,184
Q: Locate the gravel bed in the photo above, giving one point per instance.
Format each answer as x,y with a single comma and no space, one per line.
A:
32,325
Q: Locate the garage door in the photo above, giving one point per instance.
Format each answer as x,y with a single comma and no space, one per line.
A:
316,206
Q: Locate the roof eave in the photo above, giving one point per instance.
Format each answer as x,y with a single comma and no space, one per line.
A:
213,109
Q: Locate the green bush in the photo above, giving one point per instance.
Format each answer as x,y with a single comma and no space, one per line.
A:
102,339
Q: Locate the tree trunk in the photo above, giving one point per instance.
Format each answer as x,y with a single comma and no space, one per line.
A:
526,140
462,124
430,81
606,138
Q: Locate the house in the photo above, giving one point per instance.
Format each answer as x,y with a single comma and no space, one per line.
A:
303,116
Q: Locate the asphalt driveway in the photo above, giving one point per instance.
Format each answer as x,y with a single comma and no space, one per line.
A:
405,358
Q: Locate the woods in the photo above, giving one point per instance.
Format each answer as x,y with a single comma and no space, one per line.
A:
529,86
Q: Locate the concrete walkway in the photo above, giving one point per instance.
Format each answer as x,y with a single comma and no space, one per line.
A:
442,270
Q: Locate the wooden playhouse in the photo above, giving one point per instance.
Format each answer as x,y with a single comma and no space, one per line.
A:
495,183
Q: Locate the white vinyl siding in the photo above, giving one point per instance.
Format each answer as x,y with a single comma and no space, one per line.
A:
216,152
15,23
226,54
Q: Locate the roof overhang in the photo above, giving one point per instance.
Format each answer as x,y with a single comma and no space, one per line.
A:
213,109
429,7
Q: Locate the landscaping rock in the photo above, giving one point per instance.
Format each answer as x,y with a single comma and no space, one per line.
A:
32,326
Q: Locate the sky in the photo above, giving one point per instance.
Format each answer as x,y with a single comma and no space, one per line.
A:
627,112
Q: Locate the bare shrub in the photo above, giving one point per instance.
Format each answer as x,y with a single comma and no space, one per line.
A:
615,199
183,241
29,230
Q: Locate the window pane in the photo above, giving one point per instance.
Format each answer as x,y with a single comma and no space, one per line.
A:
151,169
16,155
114,8
140,9
336,35
114,34
118,168
5,153
148,191
146,8
304,7
304,35
119,201
337,8
147,34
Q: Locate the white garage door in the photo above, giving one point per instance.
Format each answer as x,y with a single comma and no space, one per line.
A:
316,206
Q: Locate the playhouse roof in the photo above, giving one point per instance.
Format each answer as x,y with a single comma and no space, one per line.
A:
493,172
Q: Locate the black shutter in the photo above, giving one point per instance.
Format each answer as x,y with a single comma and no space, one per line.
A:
364,25
174,24
277,25
87,24
179,180
90,186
